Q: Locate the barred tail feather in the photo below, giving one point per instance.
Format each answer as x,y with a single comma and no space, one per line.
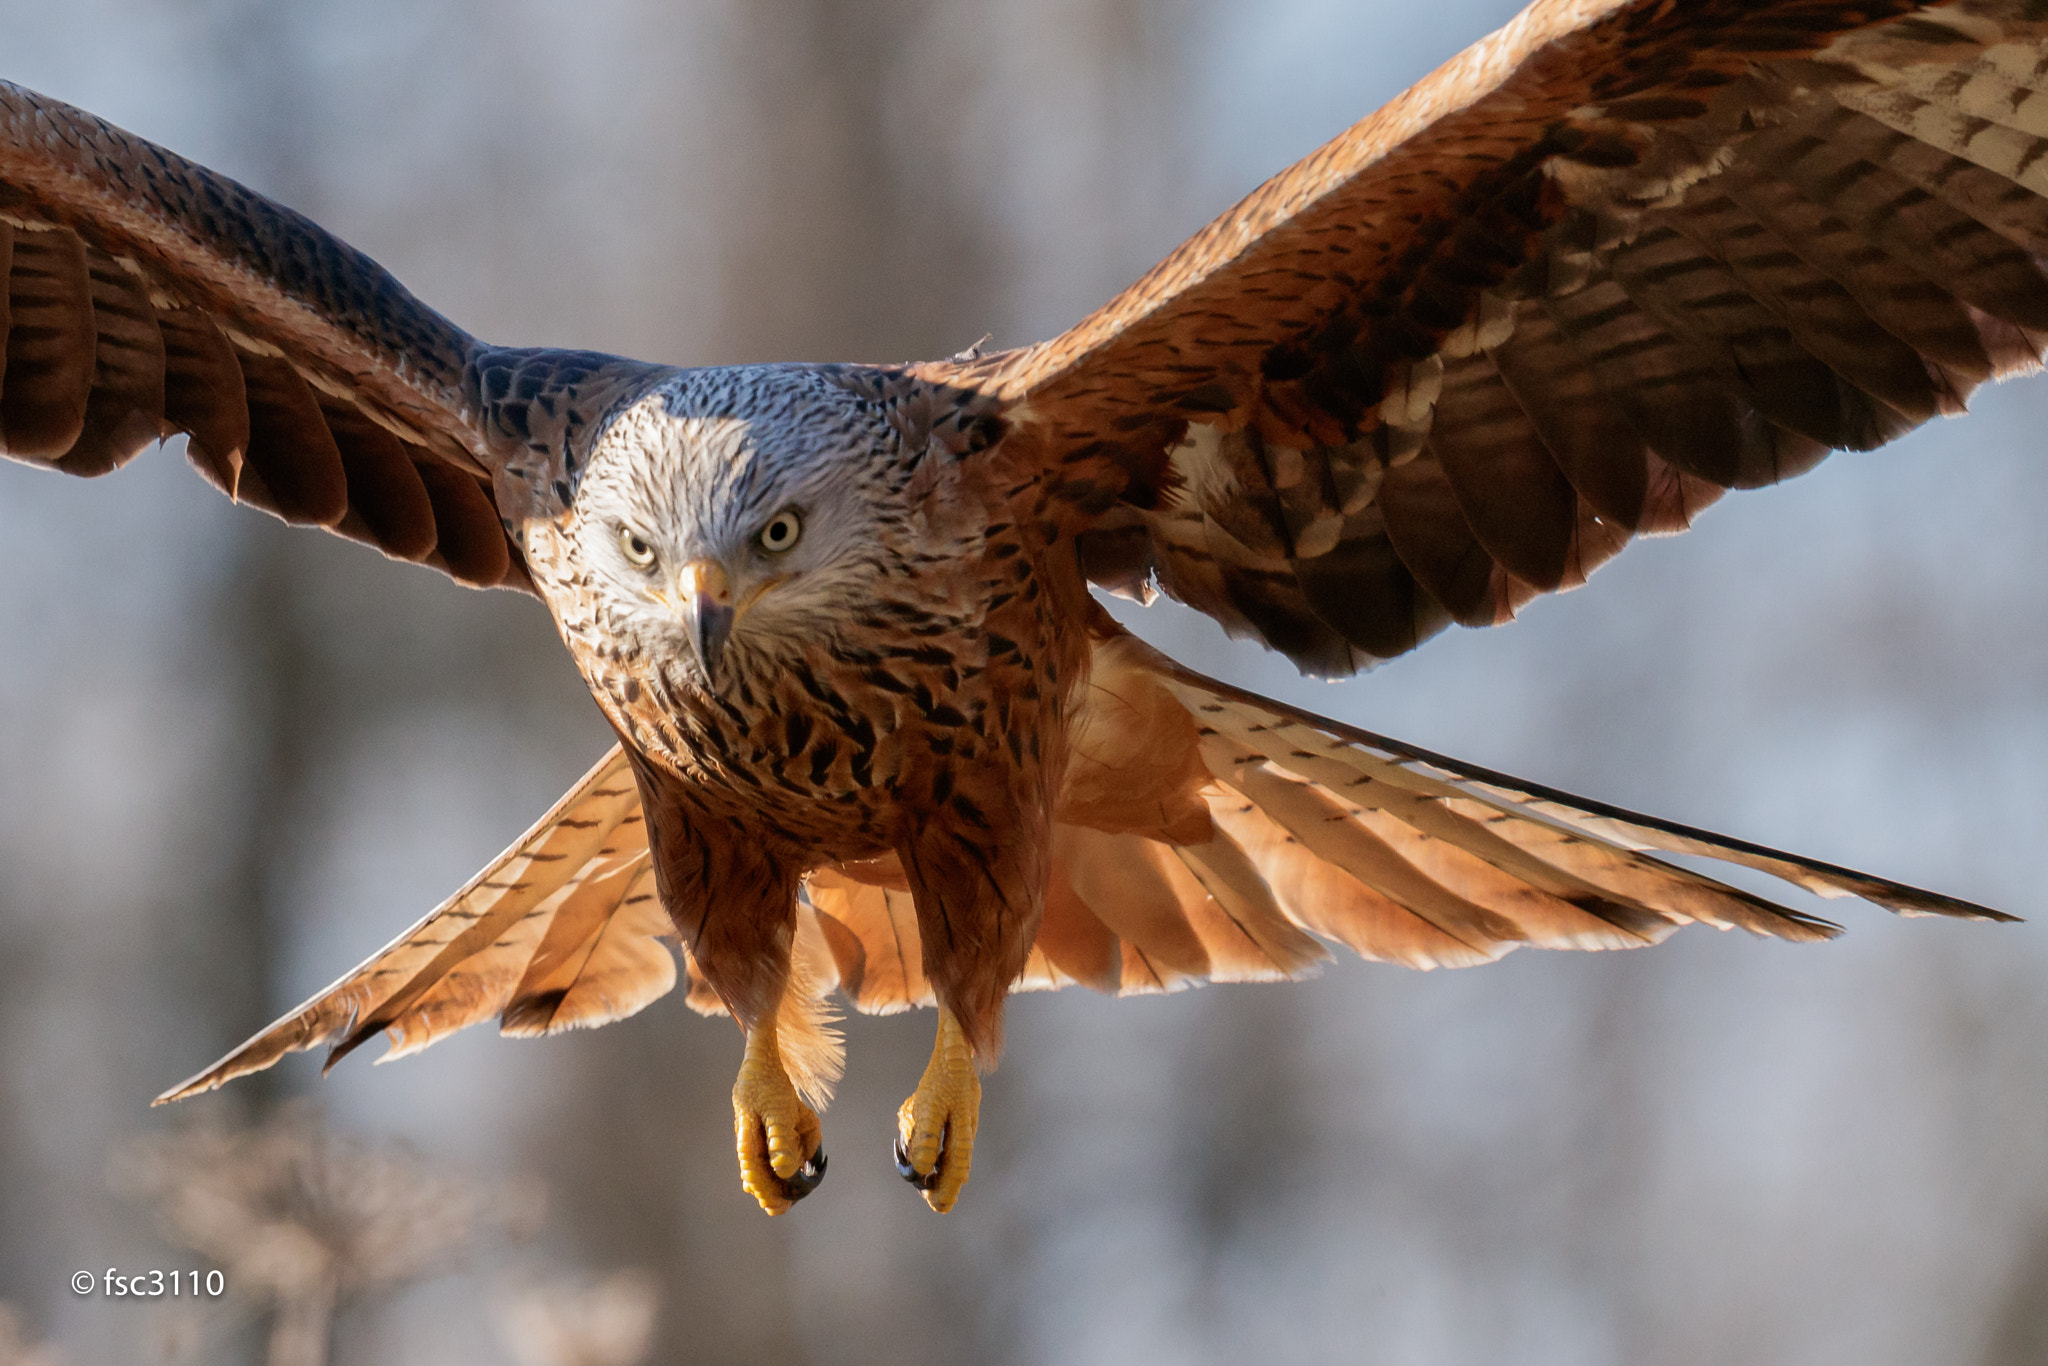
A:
1576,836
1209,834
1203,833
1488,859
559,932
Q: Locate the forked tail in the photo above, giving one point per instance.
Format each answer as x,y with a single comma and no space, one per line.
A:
1204,834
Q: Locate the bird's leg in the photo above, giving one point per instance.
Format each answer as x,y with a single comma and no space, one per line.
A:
935,1127
782,1157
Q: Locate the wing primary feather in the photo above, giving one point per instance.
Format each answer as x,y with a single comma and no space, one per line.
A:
51,344
124,415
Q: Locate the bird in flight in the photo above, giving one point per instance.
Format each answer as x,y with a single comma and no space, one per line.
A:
876,735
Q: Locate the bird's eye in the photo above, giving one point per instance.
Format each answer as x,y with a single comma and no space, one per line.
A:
782,532
634,547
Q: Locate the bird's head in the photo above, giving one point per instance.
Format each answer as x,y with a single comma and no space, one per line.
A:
732,515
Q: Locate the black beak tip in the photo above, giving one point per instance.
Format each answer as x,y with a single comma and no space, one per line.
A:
710,626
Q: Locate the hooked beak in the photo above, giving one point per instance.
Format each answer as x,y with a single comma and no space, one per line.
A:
705,596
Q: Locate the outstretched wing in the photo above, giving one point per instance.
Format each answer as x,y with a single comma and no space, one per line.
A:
1610,262
143,296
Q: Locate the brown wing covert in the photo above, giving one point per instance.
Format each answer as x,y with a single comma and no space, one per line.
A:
146,296
1608,264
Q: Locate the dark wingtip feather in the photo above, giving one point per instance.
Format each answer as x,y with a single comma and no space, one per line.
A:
356,1039
1894,896
532,1014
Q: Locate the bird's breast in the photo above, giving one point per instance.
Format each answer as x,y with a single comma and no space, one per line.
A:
918,708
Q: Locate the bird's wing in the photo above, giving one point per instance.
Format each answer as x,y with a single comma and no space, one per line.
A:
146,296
1608,263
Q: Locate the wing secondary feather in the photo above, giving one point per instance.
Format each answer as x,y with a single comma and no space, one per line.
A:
1607,264
143,296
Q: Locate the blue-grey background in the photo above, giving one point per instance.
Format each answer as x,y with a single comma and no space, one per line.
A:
235,759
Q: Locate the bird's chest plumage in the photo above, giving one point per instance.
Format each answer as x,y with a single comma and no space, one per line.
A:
922,707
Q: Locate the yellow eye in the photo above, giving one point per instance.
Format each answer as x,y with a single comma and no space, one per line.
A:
782,532
634,547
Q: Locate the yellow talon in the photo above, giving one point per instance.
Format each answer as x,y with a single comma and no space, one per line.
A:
782,1157
935,1127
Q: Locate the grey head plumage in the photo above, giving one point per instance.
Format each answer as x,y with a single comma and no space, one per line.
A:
728,516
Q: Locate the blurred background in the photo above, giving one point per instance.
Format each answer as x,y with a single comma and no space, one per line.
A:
234,760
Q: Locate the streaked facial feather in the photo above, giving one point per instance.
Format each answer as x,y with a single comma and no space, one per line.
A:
703,463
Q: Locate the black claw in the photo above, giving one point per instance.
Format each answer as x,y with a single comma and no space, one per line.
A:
808,1177
924,1181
